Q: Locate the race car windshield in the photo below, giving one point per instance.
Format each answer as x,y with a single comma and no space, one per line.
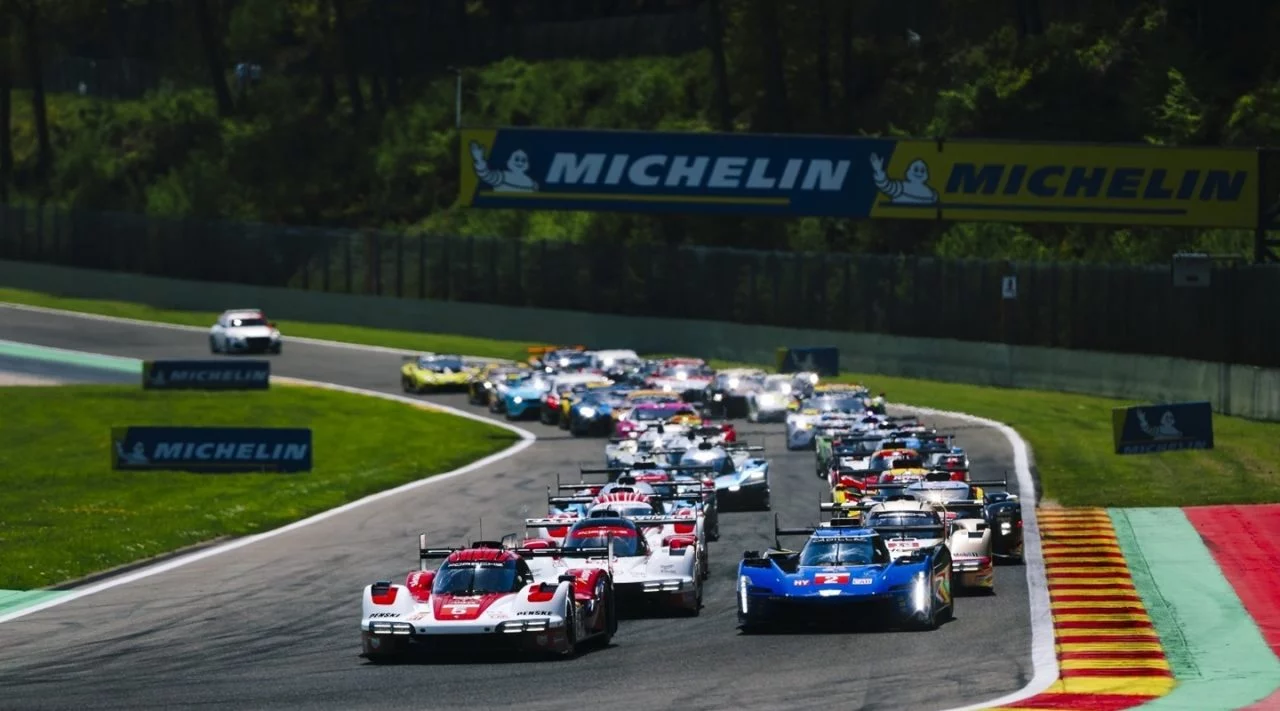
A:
624,543
475,579
236,322
833,404
627,511
823,553
439,365
777,386
923,524
649,414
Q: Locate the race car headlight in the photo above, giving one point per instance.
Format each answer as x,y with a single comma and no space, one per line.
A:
920,592
388,627
664,586
517,400
564,362
804,425
754,475
682,376
734,382
518,626
743,598
717,397
1005,526
587,412
785,388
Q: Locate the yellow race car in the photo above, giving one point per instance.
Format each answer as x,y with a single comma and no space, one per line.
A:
430,372
483,385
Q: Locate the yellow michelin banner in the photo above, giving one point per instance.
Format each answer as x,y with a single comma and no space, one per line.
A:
857,177
1012,182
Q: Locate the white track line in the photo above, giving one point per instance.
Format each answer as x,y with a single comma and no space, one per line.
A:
527,439
1043,658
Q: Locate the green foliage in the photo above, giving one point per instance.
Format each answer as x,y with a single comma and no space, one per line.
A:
293,152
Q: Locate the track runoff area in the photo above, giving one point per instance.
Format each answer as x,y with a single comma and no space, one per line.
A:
274,616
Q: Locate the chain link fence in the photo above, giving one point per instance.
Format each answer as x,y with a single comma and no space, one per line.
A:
1126,309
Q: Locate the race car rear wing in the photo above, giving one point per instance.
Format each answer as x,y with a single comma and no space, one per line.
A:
660,467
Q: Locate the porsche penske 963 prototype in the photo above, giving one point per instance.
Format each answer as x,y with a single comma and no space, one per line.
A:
665,576
844,573
488,597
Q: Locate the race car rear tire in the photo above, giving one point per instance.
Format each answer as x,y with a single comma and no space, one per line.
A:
213,344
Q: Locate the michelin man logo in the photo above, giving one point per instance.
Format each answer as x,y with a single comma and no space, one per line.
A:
913,189
137,457
1167,429
514,179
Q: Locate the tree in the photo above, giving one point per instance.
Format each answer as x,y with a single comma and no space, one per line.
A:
30,16
211,42
719,67
775,74
350,68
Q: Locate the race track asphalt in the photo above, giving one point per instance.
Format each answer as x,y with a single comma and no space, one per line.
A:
275,624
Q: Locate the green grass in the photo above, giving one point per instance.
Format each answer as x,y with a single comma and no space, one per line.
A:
64,513
1070,434
437,342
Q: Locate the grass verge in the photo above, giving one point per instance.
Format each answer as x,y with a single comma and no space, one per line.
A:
66,514
1070,434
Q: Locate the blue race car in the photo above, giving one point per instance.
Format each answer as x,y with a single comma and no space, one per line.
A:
844,574
524,399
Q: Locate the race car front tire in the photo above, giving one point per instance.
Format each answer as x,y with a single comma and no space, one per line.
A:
381,649
570,627
213,344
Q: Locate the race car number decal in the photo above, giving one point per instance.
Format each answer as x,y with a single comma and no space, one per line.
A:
831,578
461,608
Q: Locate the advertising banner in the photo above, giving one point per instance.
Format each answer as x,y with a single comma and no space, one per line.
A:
206,375
211,449
1162,428
857,177
823,360
1020,182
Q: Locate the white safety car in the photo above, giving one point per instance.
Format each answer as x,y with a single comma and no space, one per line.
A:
244,331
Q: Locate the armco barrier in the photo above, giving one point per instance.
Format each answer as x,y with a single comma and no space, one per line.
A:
1245,391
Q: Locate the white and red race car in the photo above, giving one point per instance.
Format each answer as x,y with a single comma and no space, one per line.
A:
666,573
489,597
642,504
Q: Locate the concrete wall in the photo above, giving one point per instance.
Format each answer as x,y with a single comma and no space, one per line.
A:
1233,389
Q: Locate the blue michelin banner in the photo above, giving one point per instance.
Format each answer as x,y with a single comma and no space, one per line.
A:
211,449
206,375
1162,428
547,169
856,177
823,360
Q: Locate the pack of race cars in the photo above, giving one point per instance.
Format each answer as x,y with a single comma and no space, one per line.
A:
905,521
